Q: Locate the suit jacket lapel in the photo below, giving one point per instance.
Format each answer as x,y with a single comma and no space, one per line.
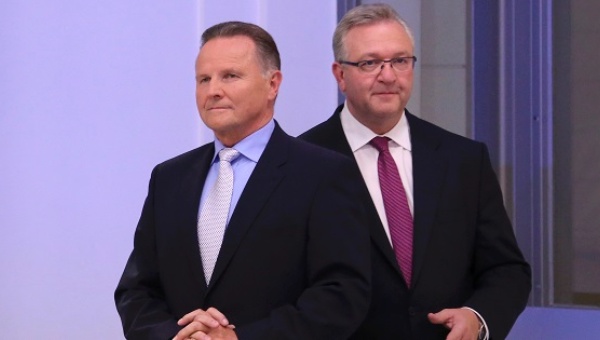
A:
429,171
191,191
333,138
428,175
264,179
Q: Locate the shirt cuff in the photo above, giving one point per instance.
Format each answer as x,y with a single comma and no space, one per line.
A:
482,320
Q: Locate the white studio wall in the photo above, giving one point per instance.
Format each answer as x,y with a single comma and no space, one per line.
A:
92,96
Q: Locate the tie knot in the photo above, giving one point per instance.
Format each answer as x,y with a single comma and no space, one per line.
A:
228,154
380,143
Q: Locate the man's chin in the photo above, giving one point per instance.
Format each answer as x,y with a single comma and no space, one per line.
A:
387,110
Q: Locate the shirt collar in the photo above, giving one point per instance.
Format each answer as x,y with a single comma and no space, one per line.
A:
359,135
253,145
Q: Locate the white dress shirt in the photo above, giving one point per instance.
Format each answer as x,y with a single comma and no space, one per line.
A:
366,155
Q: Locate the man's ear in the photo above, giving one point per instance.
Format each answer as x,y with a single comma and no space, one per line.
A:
338,73
275,83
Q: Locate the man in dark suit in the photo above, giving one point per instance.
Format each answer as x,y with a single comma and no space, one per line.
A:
293,262
445,261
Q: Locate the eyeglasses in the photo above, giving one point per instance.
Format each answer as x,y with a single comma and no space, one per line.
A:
398,64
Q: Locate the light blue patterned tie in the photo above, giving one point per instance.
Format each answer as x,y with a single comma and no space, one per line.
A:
214,212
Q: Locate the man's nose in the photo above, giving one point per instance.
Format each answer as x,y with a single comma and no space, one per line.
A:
215,88
387,73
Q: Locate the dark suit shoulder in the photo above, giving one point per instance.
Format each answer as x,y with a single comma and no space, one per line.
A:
187,159
329,134
312,150
317,133
426,132
324,132
315,155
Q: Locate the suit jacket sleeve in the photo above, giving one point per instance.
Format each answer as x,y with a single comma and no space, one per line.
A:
502,277
139,297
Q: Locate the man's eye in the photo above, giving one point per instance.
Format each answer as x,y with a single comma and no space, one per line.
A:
203,80
230,76
400,61
369,62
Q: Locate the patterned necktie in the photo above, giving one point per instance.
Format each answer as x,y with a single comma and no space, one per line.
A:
213,216
398,214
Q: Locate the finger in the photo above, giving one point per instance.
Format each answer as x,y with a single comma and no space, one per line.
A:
217,315
459,332
200,336
436,318
192,331
454,335
206,320
443,317
189,317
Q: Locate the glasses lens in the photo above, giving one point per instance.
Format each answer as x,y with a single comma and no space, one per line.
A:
401,64
369,65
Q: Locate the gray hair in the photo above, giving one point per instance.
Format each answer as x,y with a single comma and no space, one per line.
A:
364,15
267,51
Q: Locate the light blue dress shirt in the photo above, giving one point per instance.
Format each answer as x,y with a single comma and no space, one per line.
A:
250,148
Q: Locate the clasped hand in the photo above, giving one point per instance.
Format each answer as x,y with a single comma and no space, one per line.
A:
207,324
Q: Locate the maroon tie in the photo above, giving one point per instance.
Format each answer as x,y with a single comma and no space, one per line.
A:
396,207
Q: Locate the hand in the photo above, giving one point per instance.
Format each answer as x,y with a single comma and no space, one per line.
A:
222,333
462,323
201,322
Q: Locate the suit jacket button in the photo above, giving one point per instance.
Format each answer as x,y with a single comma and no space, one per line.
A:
412,311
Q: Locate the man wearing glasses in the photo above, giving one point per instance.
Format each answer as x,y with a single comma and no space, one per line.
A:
445,261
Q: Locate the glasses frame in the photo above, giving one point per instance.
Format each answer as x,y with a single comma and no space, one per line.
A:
361,63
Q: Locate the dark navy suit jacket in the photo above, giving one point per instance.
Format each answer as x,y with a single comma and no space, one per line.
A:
294,263
464,253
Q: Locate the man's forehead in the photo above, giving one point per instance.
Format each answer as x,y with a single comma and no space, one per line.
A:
226,49
370,38
393,27
231,42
